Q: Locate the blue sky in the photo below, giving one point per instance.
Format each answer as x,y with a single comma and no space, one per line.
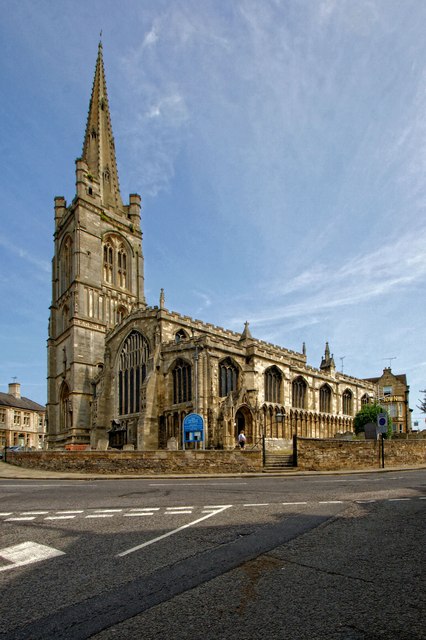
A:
280,150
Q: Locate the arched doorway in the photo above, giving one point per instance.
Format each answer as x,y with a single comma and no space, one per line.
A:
244,422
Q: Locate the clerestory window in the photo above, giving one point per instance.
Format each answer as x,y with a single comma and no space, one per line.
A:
273,379
298,389
182,382
325,399
228,377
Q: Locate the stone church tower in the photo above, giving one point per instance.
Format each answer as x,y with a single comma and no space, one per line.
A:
97,274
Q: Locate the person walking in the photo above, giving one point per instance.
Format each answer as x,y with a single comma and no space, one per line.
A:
241,439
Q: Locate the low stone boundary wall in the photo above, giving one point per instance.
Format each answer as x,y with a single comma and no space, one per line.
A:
332,455
140,462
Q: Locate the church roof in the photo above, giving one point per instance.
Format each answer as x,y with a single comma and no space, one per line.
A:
9,400
98,146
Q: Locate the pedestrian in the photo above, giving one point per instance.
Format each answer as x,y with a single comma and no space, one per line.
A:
241,439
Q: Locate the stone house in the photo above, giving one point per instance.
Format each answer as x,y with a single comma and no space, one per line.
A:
22,421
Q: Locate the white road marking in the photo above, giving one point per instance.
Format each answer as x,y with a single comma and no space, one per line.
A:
72,511
9,513
27,553
59,517
177,513
136,515
364,501
257,504
293,503
177,508
170,533
20,519
101,515
398,499
108,510
330,502
33,513
145,509
197,484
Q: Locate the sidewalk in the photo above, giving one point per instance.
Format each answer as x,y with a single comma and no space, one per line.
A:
9,471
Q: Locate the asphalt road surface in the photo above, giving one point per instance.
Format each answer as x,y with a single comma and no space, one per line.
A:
335,557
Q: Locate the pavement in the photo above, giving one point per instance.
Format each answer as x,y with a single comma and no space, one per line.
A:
11,471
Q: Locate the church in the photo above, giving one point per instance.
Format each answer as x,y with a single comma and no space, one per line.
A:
123,372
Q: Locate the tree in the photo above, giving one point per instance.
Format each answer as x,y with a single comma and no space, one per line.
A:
369,413
422,405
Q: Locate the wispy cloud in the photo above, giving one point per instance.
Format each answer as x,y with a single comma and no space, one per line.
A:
23,254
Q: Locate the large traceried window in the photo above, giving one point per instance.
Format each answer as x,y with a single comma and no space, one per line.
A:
298,389
228,377
132,372
182,383
115,262
273,379
347,402
325,399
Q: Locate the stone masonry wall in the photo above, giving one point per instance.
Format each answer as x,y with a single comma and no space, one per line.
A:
140,462
332,455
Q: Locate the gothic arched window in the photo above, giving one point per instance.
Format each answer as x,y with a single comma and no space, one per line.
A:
298,389
108,263
66,264
122,267
273,379
64,410
115,262
347,402
182,382
180,335
228,377
365,399
132,372
325,399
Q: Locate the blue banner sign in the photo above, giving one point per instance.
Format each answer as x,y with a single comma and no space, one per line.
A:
193,428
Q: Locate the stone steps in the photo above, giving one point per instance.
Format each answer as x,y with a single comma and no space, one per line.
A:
277,462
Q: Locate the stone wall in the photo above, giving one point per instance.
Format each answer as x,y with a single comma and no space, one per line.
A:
140,462
332,455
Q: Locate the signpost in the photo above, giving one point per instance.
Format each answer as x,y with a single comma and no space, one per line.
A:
193,429
382,429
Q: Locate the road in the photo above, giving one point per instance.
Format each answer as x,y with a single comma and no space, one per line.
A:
333,557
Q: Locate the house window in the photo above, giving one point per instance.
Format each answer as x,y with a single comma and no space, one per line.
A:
16,417
132,372
387,391
26,419
325,399
273,379
347,402
2,415
228,377
298,389
182,385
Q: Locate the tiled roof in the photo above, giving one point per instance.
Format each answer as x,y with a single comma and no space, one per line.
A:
9,400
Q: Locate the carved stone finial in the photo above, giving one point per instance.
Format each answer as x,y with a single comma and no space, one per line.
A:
162,299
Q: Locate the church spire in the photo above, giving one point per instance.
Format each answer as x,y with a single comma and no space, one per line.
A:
98,146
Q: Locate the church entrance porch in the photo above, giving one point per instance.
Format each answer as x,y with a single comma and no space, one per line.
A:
244,422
